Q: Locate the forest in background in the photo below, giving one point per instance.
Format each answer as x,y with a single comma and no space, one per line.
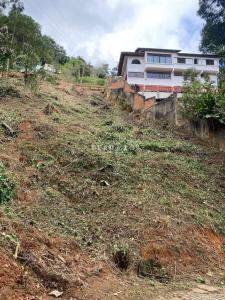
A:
23,46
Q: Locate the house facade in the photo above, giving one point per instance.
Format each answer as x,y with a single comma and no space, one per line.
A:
161,72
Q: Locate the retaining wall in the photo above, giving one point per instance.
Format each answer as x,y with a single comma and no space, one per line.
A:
208,130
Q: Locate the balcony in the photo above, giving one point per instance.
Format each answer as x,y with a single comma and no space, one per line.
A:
212,69
199,68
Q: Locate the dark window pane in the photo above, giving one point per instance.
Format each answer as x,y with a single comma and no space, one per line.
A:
181,60
209,62
136,62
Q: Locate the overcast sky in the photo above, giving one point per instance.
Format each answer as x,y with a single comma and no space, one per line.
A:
99,30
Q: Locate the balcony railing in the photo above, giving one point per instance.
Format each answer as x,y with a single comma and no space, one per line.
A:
178,66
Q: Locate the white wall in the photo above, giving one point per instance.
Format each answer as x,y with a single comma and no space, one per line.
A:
175,80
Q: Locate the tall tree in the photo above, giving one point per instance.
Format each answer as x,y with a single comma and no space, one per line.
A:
213,33
13,4
51,52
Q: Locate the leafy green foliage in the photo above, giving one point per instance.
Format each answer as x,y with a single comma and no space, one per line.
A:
51,52
213,34
24,30
7,187
78,70
203,101
13,4
8,89
5,50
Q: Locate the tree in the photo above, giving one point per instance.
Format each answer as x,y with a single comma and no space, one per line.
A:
74,68
24,30
51,52
28,61
213,33
202,101
13,4
5,49
102,71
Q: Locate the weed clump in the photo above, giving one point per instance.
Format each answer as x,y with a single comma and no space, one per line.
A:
7,186
9,90
152,269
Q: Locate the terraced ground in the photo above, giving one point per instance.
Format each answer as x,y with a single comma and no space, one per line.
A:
103,206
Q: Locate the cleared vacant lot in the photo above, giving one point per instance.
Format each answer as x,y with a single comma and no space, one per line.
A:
105,208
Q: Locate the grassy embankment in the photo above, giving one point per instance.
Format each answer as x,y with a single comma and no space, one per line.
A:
84,172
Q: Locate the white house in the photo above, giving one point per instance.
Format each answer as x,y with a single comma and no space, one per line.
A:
160,72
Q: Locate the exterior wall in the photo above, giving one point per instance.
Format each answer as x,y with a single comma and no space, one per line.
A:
163,110
204,130
158,95
175,81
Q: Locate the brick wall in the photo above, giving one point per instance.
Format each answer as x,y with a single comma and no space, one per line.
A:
149,103
117,85
137,102
160,88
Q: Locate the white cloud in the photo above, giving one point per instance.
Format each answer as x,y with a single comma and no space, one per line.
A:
160,24
100,29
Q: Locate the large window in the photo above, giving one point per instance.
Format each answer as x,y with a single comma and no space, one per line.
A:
209,62
159,59
159,75
136,74
181,60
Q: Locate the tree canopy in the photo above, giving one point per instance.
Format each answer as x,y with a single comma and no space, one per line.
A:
25,30
213,33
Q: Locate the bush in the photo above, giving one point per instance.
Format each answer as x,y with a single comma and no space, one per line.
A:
7,186
8,89
203,101
93,80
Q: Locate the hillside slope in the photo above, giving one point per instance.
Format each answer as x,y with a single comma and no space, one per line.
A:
105,208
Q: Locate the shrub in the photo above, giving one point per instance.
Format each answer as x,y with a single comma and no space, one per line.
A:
203,101
7,186
8,89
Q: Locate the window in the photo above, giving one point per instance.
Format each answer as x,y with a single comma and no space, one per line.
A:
136,74
181,60
178,73
196,61
209,62
159,59
158,75
136,62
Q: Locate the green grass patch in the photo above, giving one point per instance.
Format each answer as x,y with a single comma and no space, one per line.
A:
7,186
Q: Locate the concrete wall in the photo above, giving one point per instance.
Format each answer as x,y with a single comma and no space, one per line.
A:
121,91
207,130
167,109
163,110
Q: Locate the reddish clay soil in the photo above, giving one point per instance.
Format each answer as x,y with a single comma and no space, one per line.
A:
199,252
